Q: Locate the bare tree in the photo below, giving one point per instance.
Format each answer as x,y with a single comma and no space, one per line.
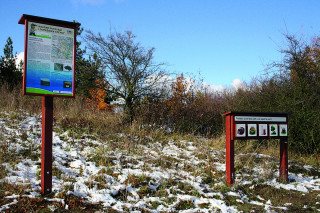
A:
129,68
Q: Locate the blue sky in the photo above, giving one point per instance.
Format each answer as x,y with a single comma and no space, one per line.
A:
223,40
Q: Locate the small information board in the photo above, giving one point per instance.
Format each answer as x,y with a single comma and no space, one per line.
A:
256,125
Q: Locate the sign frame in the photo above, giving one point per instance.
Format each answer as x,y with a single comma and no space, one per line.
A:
25,19
266,125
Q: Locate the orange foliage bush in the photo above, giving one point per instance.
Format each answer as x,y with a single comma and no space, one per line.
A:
180,96
307,67
98,96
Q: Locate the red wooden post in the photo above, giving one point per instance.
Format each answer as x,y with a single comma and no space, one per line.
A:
46,150
229,150
284,160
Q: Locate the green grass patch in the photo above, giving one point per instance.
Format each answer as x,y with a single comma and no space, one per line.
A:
184,205
299,169
155,204
279,197
144,191
169,200
42,91
13,189
204,205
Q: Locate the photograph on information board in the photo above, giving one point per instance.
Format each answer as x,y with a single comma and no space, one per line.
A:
252,129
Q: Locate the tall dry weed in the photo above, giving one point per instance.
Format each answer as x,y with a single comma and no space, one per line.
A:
12,100
71,113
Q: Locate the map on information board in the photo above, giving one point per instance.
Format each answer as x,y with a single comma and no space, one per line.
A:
62,47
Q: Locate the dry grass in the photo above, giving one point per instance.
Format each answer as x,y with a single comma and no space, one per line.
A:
75,115
14,100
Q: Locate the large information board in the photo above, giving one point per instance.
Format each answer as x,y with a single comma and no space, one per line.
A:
49,67
49,56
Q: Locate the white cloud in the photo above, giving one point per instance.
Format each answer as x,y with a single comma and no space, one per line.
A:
19,58
238,84
234,86
164,79
213,88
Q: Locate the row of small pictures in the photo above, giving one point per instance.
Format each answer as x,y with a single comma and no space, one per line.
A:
263,130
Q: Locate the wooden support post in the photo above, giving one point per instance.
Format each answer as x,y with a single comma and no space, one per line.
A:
229,151
283,173
46,150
